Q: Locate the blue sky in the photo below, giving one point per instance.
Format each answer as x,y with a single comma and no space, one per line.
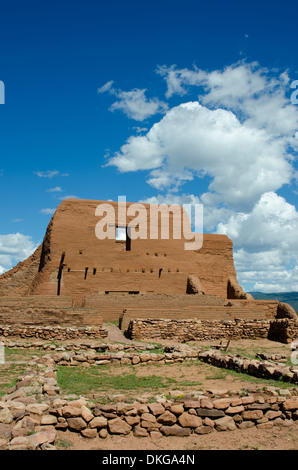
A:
164,101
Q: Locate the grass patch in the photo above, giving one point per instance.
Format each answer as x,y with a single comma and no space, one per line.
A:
63,444
9,376
79,380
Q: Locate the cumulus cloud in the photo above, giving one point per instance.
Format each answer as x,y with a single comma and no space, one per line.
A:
134,103
14,247
266,244
192,140
241,137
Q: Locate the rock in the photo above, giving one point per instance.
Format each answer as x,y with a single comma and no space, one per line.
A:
246,424
208,422
189,421
132,420
123,408
69,411
22,443
142,408
282,422
118,426
155,435
86,414
42,437
175,431
273,414
103,433
206,403
177,409
156,408
167,418
6,416
252,415
222,403
259,406
48,420
140,432
110,408
5,431
78,403
47,446
291,404
207,413
27,423
192,404
203,429
148,417
225,424
4,444
76,424
234,410
89,433
248,400
150,426
98,422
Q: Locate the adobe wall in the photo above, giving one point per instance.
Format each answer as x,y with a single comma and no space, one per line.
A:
74,262
244,310
46,310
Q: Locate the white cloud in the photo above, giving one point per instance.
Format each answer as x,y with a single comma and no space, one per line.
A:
242,135
134,103
107,87
14,247
47,211
192,140
49,173
46,174
266,244
57,189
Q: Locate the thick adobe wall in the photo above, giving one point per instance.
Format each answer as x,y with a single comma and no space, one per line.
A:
75,262
46,310
18,281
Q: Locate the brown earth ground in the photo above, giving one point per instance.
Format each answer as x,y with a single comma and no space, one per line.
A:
202,377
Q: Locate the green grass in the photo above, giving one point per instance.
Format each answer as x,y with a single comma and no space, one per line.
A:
78,380
63,444
9,376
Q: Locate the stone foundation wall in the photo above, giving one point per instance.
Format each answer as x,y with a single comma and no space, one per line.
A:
188,330
33,425
52,332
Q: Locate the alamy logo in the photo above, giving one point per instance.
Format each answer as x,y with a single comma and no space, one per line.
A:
2,93
294,95
151,222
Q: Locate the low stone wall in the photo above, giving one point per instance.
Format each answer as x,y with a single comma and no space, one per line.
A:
52,332
262,369
188,330
32,413
284,330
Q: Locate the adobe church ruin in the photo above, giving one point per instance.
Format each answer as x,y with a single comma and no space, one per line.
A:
75,279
